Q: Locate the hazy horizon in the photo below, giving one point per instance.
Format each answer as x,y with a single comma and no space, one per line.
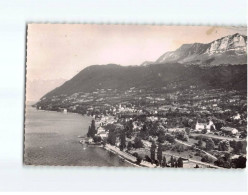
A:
57,52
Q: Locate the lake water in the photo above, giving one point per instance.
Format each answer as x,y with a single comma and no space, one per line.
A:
51,138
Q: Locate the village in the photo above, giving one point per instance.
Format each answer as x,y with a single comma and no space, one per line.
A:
201,128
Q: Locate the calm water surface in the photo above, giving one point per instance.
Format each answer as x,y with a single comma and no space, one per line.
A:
51,139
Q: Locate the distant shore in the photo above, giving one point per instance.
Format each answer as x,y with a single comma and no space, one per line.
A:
68,112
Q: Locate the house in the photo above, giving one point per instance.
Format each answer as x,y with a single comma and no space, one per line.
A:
152,118
100,130
90,140
237,116
229,130
235,156
103,135
201,126
137,126
172,130
147,143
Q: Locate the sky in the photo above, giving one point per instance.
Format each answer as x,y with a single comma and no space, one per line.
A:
57,52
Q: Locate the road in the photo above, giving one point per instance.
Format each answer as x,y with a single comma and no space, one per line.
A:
217,137
186,144
194,161
128,156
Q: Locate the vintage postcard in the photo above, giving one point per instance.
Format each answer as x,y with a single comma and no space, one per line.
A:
136,96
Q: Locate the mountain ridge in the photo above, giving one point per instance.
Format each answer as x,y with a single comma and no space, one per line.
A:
152,77
207,65
230,49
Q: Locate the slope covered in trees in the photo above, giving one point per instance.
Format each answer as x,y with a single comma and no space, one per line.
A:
153,76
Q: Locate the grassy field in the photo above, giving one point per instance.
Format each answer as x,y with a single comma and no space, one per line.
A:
188,154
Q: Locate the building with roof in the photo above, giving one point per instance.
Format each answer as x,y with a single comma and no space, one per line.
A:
201,126
229,130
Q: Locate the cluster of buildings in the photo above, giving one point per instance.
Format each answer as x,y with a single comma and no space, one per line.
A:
169,106
103,103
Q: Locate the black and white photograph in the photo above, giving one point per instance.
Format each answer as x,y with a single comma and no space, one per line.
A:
144,96
127,96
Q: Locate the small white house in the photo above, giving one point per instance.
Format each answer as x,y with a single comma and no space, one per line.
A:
100,130
201,126
172,130
236,117
229,130
152,118
103,135
90,140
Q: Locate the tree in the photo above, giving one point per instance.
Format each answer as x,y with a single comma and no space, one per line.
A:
204,131
122,140
138,143
119,127
243,133
172,161
209,144
180,162
97,139
170,138
92,129
187,129
206,158
161,137
164,162
147,158
239,147
129,145
160,128
240,162
219,124
160,154
110,127
181,135
104,142
153,129
175,163
138,159
129,129
224,145
144,133
157,163
89,132
135,154
179,148
163,122
185,122
234,145
153,150
200,143
112,138
223,162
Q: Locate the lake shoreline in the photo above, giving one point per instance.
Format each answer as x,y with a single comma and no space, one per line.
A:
93,145
52,139
107,147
